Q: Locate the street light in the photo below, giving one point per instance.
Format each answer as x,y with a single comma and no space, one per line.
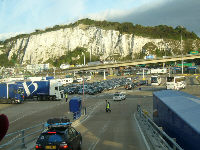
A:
84,58
181,50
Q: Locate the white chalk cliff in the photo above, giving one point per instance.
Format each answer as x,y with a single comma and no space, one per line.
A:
40,47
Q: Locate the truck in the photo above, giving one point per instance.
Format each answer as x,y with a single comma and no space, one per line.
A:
18,91
40,78
149,57
95,63
157,71
175,83
155,80
11,93
67,80
177,113
43,90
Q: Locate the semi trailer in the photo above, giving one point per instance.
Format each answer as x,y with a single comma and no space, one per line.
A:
17,92
178,114
43,90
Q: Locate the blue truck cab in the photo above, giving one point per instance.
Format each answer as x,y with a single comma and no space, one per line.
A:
11,93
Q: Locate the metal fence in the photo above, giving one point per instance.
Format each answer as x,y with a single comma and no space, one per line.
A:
20,139
155,136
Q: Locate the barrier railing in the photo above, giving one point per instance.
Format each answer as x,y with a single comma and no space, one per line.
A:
156,136
21,138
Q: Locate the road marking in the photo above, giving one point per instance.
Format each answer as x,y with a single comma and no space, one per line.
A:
111,143
141,132
93,145
22,117
87,116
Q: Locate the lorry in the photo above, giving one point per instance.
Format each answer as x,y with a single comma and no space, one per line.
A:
18,91
177,113
40,78
11,93
43,90
155,80
157,71
149,57
175,83
67,80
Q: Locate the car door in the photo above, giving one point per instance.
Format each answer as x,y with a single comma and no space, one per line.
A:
75,139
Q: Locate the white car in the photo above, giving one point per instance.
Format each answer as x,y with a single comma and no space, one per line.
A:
79,79
119,96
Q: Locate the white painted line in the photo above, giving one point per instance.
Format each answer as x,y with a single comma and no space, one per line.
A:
93,145
22,117
145,141
77,123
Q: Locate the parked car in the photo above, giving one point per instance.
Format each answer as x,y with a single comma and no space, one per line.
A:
81,91
92,91
128,86
73,90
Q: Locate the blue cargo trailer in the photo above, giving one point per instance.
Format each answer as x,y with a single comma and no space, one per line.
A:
11,93
178,114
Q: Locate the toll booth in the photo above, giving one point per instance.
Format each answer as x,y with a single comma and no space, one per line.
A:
75,105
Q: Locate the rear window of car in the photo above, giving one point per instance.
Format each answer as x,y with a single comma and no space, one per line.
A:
116,94
56,137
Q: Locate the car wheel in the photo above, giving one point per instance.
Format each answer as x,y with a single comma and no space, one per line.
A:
80,145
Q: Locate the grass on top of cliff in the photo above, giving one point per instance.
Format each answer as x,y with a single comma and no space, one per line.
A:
160,31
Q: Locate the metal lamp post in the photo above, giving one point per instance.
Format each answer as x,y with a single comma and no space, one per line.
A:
84,58
181,52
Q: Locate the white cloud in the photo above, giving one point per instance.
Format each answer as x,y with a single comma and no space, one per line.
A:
112,14
108,14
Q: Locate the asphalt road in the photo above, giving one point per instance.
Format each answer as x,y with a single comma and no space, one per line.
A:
115,130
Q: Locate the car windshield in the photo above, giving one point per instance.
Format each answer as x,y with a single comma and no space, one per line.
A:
61,88
154,79
170,79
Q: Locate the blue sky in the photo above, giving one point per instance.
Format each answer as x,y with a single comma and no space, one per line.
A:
24,16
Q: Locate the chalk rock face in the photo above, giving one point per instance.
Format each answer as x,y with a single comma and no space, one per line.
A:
39,48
